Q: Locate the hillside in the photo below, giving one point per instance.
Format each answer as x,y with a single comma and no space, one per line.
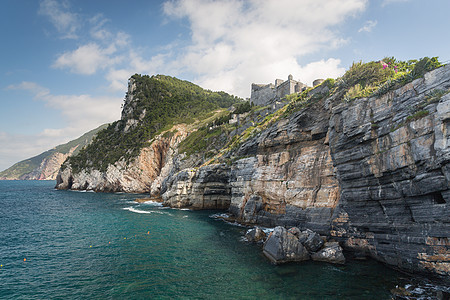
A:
363,159
45,166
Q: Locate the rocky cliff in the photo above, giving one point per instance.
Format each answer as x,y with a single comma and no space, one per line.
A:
371,172
392,155
46,165
142,175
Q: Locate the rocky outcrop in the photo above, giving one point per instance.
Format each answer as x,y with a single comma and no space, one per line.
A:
46,165
207,188
288,177
49,167
255,235
372,173
284,245
143,175
331,252
392,159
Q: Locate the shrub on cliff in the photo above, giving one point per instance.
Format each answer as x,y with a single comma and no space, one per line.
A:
158,103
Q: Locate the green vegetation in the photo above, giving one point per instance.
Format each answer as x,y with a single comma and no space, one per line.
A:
365,80
417,115
435,96
406,72
29,165
200,140
252,131
304,99
378,78
243,107
159,103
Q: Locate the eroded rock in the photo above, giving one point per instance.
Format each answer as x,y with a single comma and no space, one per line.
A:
282,246
313,242
331,253
255,235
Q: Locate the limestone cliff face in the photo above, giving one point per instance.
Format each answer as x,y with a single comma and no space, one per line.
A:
46,165
144,174
49,167
207,188
372,173
288,178
393,170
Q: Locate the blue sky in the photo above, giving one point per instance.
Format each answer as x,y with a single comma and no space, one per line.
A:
64,64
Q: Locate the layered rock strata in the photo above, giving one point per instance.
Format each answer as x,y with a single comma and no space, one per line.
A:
144,174
392,159
372,173
283,245
288,177
207,188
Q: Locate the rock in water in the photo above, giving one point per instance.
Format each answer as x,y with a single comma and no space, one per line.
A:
331,253
282,246
255,235
314,242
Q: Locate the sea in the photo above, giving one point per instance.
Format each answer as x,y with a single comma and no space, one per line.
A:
85,245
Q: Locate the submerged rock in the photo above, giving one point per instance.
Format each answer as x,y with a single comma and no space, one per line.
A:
283,246
331,253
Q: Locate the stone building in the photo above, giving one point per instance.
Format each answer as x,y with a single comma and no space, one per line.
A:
264,94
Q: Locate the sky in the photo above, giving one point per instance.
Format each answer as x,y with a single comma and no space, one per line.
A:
64,64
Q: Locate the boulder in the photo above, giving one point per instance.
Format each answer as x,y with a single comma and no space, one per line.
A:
255,235
283,246
331,253
314,242
295,231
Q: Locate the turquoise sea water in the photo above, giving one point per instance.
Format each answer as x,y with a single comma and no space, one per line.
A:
82,245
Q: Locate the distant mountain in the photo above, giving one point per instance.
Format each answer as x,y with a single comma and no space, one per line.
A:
45,166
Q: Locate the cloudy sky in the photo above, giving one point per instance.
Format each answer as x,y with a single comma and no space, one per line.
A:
64,64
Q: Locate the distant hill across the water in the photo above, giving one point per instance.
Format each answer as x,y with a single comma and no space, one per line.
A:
45,166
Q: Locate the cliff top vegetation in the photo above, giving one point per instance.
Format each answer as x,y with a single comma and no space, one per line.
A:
158,102
366,79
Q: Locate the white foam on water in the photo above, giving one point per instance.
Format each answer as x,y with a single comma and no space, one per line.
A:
138,211
267,230
220,215
151,203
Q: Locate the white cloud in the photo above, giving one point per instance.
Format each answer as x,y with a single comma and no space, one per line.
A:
21,146
118,78
237,42
67,23
368,26
87,59
83,112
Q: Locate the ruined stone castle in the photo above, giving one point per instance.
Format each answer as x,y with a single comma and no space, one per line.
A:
264,94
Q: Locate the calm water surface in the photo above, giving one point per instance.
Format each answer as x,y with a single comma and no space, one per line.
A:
107,246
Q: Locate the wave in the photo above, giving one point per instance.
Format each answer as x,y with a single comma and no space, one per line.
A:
151,203
138,211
